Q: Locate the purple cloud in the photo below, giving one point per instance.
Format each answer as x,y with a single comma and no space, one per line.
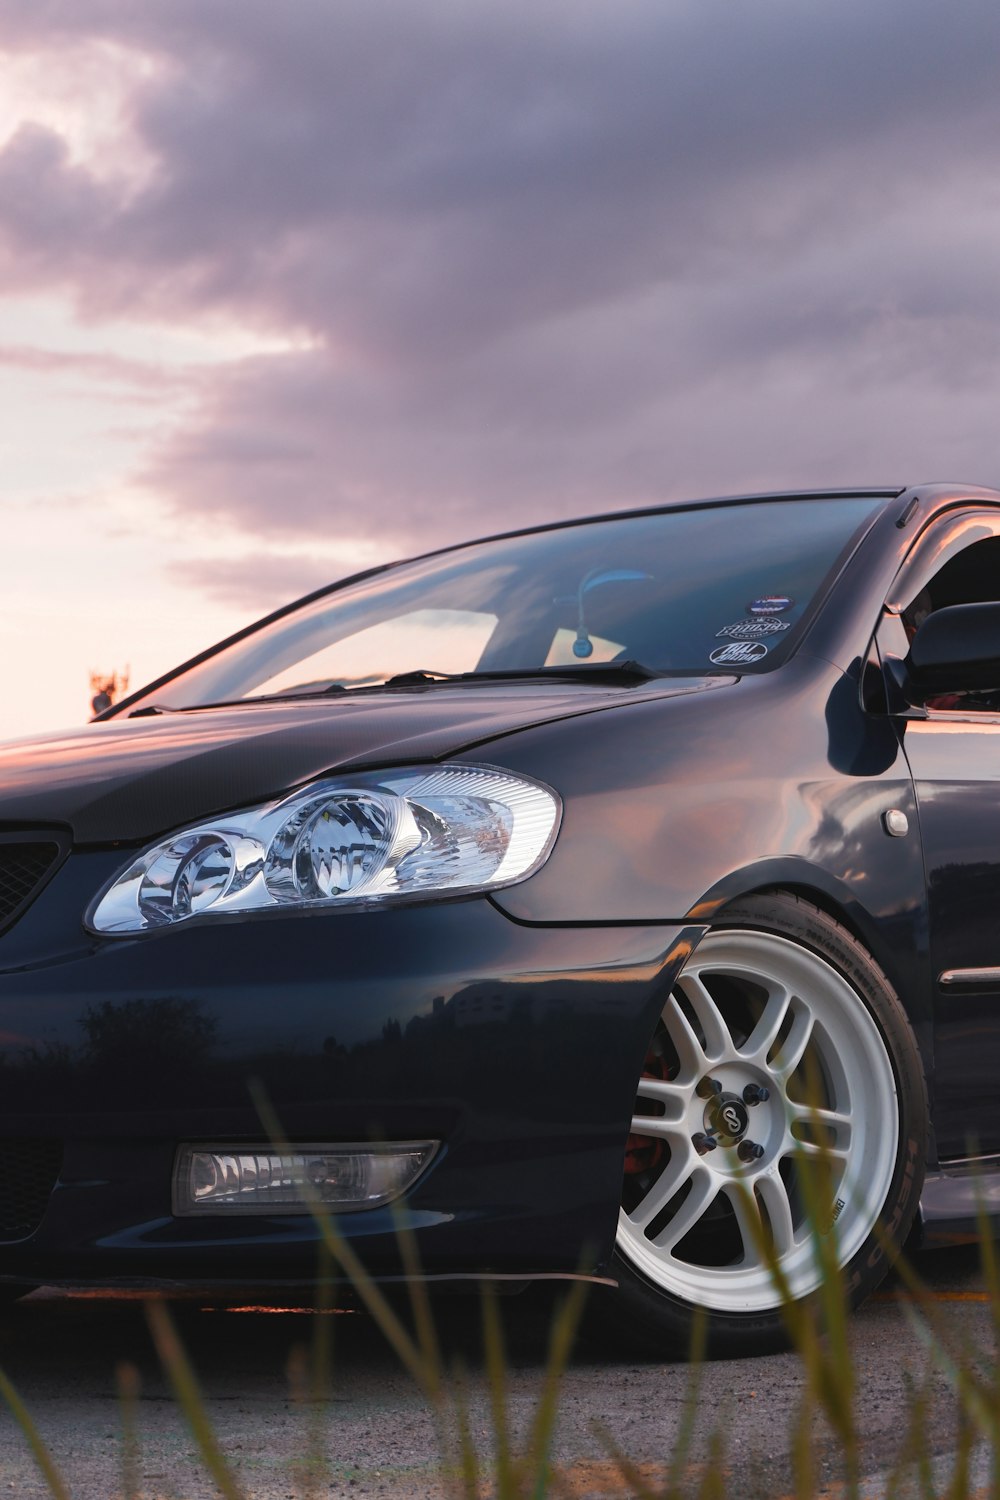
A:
550,259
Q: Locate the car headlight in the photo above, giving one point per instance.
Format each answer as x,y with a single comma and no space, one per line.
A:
345,841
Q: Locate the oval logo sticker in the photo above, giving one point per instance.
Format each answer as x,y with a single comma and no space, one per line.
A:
738,653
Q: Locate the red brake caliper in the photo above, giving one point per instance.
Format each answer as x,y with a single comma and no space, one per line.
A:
643,1153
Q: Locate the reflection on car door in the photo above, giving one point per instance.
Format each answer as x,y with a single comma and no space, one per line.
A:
953,750
955,761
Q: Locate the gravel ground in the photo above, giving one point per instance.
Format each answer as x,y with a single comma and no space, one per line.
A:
374,1435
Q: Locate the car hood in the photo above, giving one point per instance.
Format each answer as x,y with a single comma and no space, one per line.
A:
131,779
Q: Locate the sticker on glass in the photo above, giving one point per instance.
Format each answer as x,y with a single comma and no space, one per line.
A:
752,630
770,604
738,653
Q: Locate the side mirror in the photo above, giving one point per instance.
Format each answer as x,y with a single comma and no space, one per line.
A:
955,650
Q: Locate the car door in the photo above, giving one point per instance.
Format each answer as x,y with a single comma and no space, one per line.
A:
952,746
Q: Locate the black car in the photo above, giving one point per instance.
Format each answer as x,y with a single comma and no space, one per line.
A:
616,897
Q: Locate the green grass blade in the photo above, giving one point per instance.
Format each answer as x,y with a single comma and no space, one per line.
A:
40,1453
638,1489
182,1378
507,1486
127,1381
802,1454
426,1374
976,1399
925,1473
689,1410
311,1380
468,1464
321,1363
896,1481
564,1330
715,1482
420,1302
312,1469
958,1487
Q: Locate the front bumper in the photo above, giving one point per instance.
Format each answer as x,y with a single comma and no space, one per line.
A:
517,1047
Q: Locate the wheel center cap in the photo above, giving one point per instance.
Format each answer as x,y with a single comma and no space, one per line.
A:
727,1118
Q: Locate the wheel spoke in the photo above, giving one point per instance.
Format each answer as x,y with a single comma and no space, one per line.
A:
748,1218
772,1017
773,1194
704,1189
718,1038
794,1046
673,1099
821,1160
690,1052
669,1182
657,1125
836,1127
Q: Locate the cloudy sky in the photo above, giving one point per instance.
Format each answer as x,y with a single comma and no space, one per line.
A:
289,289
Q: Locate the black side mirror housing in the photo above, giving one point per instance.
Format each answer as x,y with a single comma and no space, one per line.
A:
955,650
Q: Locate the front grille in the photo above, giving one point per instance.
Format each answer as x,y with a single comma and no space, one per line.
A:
23,868
28,1172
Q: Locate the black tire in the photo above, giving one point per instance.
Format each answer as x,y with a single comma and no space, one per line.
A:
844,1046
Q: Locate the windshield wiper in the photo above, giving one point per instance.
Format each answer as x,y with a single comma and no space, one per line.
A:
623,672
193,708
605,671
418,677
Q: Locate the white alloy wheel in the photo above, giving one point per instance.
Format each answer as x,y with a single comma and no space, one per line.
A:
765,1054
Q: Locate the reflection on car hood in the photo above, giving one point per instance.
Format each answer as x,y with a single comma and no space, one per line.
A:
130,779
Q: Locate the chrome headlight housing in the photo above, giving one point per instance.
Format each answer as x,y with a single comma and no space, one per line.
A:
354,840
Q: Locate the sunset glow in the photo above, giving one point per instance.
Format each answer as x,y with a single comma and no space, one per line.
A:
373,280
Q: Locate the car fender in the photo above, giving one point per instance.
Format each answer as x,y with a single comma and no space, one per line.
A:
671,810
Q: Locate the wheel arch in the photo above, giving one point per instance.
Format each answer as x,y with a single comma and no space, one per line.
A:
878,934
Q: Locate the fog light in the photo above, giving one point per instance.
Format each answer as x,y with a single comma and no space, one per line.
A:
259,1180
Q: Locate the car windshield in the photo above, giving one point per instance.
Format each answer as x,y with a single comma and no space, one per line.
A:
715,588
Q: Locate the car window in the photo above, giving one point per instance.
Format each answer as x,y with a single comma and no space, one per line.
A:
715,588
454,639
969,576
946,539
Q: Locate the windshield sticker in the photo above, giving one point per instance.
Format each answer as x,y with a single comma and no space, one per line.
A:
752,630
770,604
738,653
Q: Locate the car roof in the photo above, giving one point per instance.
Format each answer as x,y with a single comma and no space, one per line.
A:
875,492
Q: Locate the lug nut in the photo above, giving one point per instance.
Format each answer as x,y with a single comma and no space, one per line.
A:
703,1143
749,1151
755,1094
708,1088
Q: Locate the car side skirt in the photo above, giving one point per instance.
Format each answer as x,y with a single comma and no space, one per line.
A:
956,1199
